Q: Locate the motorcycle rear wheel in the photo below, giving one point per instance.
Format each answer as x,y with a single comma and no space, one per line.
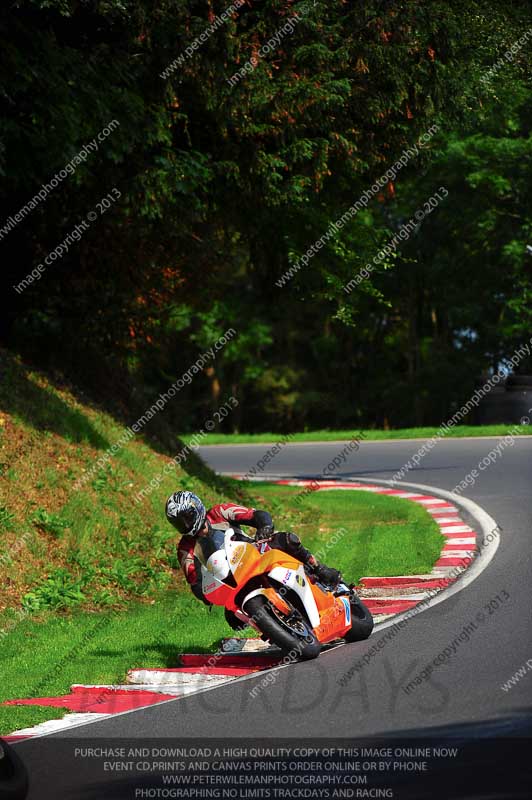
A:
297,640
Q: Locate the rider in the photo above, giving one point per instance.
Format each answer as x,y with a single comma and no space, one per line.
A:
186,512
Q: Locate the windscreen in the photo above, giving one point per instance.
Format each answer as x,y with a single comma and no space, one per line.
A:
207,545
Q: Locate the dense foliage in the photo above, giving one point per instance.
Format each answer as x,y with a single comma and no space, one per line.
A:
216,186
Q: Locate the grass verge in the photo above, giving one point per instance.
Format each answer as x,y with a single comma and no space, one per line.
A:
457,432
72,533
43,657
359,532
380,535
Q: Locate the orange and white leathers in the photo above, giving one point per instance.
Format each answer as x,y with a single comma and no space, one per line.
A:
329,616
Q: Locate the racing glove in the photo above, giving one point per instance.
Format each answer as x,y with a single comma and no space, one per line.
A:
265,532
327,575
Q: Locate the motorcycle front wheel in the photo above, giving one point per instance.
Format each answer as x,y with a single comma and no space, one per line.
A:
291,634
361,621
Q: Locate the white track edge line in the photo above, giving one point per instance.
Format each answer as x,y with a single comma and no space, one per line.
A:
485,554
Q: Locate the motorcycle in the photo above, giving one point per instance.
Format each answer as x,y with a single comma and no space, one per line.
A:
272,592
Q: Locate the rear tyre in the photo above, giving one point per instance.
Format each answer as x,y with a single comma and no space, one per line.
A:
361,621
292,635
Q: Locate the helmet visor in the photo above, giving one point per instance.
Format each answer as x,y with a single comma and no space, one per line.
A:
184,521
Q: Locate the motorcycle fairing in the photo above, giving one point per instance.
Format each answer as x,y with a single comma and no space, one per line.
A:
296,579
227,566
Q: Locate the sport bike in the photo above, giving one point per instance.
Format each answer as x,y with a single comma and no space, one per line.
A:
273,593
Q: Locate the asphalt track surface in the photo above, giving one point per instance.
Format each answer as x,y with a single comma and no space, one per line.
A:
307,699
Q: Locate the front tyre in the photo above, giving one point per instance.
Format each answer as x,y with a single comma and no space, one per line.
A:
291,634
361,621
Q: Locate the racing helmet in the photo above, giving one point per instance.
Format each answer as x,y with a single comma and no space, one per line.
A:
186,512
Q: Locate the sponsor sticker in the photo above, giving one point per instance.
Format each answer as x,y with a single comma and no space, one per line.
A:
347,606
300,580
287,576
236,555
